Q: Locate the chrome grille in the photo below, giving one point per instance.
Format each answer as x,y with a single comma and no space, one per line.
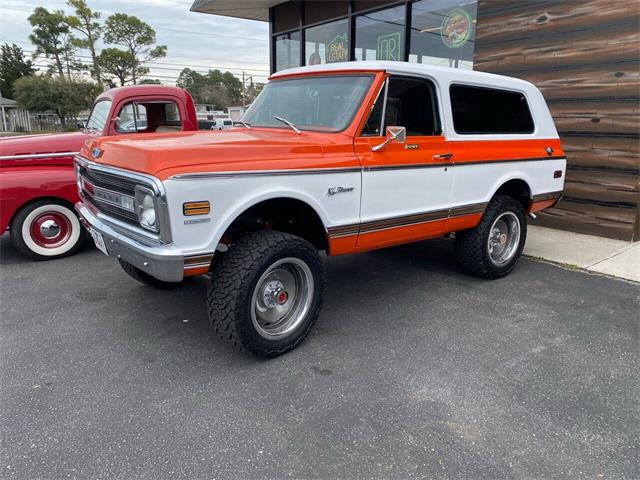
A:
117,212
108,183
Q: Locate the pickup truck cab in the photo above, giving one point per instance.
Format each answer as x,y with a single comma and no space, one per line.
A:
341,158
37,181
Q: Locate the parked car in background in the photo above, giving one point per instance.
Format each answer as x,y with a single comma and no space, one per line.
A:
221,124
343,158
37,182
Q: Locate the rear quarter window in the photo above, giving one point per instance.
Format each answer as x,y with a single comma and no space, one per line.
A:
480,110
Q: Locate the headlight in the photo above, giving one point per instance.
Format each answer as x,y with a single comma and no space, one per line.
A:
146,208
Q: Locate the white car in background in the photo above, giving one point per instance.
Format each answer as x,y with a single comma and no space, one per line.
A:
221,124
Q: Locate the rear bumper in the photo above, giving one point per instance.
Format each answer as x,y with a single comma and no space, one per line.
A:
158,260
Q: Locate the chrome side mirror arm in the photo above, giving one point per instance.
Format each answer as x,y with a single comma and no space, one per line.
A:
394,134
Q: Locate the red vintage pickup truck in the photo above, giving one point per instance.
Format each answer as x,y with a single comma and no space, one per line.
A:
37,181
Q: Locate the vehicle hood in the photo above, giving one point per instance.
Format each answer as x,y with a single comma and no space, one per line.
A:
45,143
232,150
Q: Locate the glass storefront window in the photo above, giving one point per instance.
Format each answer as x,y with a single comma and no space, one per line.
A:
287,50
327,43
443,32
380,35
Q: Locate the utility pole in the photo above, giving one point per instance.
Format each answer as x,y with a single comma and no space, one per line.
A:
243,90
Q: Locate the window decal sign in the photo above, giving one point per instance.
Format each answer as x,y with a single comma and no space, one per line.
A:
456,28
389,47
338,49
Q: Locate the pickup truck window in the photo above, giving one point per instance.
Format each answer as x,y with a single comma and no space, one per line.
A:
480,110
133,118
98,117
324,103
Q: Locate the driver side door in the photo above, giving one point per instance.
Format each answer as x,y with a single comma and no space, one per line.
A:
406,187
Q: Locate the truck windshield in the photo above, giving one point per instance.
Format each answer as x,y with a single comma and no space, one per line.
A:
324,103
98,116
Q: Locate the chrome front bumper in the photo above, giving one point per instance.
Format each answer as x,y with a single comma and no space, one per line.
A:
157,260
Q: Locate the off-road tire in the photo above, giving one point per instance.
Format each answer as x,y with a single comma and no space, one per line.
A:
28,244
471,245
234,279
143,277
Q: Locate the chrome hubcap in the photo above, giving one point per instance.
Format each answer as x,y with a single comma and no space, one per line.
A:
49,229
504,238
282,298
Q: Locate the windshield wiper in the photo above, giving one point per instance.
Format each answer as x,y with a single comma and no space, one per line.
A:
244,124
287,122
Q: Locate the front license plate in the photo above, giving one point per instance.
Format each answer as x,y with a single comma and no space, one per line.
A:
99,241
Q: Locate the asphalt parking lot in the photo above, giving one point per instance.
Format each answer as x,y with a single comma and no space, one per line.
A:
414,370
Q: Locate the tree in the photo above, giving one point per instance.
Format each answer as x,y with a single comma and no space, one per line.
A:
214,87
137,37
119,63
252,92
12,67
52,39
149,81
85,21
66,97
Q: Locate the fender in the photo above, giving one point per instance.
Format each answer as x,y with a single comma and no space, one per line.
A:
284,194
22,185
517,175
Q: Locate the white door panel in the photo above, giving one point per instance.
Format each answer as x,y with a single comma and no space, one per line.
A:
398,192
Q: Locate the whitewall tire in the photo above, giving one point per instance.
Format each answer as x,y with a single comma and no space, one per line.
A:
46,229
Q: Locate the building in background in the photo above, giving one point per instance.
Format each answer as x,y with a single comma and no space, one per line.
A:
582,54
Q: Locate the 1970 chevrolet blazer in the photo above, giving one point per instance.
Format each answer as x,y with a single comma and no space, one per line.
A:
339,157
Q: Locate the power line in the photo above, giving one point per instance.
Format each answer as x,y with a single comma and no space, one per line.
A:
172,56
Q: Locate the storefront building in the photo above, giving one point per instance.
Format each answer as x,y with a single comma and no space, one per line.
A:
582,54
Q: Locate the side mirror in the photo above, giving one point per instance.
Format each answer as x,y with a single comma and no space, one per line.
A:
394,135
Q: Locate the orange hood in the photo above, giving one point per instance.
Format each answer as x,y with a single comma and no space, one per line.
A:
236,149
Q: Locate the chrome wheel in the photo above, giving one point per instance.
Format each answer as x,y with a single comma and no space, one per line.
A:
282,298
504,238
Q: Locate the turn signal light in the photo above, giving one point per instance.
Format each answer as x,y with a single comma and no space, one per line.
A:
195,208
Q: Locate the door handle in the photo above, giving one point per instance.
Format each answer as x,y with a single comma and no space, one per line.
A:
443,156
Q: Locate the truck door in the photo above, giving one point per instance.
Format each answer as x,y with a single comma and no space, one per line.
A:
406,187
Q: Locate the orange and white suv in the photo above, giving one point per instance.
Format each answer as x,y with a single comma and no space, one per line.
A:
340,157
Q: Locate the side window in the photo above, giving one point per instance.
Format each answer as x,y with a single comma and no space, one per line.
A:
374,122
133,118
411,103
478,110
171,114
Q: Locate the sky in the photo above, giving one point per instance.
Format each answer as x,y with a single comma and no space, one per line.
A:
195,40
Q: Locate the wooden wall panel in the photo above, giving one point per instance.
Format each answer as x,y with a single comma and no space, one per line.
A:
584,55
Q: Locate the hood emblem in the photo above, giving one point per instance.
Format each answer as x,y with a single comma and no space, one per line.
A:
96,152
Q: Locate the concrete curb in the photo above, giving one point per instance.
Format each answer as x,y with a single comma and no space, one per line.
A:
587,253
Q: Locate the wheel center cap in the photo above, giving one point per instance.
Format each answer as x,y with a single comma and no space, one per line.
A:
274,294
49,229
282,297
503,238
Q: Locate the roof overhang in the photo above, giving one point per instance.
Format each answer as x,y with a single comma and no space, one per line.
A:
249,9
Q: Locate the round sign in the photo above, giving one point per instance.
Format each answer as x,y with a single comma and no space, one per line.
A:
456,28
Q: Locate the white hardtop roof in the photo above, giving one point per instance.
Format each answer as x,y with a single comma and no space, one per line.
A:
459,74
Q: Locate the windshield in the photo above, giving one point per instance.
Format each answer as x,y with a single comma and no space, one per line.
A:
98,116
312,103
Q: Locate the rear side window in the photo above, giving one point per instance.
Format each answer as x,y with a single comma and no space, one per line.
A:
478,110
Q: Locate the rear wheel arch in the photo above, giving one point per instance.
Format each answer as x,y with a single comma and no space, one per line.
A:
517,188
